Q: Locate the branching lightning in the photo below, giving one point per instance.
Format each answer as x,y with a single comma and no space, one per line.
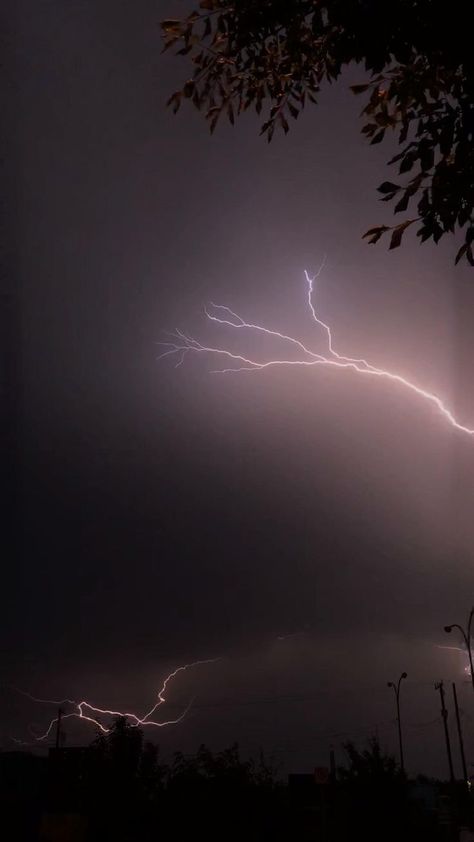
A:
93,715
180,345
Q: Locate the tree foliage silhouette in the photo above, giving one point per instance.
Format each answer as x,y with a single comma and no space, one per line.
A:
129,795
419,84
123,784
375,797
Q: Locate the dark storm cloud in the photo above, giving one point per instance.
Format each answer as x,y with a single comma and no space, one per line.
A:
171,515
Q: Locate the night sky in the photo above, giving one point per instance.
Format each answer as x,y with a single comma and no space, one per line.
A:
312,529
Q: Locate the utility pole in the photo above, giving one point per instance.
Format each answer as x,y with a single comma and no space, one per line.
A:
444,714
58,728
396,689
461,741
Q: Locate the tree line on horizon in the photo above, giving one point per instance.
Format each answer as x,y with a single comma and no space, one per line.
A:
118,789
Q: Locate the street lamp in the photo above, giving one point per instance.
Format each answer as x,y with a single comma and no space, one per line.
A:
467,639
396,690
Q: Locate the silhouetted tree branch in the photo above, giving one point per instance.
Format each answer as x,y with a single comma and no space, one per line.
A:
418,60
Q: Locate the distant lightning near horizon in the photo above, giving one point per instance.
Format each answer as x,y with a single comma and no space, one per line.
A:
181,344
467,669
90,713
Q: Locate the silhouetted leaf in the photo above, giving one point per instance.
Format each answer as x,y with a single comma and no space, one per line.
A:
398,233
407,163
378,137
375,233
175,101
425,232
213,123
284,123
388,187
403,203
404,132
359,89
437,233
171,25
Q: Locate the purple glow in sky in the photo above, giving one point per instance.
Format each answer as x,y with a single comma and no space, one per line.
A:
161,514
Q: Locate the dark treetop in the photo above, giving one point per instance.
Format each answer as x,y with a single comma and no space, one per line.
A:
274,55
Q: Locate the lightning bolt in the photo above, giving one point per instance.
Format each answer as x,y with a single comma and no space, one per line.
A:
92,714
467,669
181,344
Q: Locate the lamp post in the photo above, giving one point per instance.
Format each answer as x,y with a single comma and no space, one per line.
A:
396,690
466,633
